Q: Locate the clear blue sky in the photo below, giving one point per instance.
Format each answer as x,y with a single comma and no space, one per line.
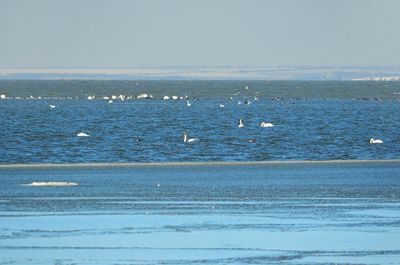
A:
143,33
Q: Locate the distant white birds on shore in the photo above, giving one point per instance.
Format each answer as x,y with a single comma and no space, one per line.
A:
186,139
2,96
143,96
91,97
82,134
266,124
375,141
52,106
241,124
188,103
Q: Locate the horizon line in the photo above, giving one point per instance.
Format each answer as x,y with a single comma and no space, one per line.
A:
199,66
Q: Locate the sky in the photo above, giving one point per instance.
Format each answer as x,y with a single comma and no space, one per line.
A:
196,33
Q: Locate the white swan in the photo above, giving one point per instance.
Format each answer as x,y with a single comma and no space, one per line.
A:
141,96
82,134
375,141
266,124
52,106
188,103
186,139
221,105
110,101
241,123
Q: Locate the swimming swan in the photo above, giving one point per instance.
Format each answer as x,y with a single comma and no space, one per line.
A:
188,103
82,134
52,106
377,141
186,139
266,124
241,123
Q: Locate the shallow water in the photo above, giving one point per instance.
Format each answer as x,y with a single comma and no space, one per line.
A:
300,213
335,125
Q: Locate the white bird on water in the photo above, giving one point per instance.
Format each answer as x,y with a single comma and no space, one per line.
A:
82,134
375,141
266,124
186,139
241,123
52,106
188,103
221,105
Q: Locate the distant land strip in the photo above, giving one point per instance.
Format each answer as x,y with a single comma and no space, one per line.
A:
189,164
382,73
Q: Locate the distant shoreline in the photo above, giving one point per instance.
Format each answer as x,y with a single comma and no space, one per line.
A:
186,164
295,73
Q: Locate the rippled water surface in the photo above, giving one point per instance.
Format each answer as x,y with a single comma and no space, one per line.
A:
282,212
333,123
301,213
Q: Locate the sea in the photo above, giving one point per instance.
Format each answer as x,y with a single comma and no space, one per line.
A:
311,189
314,120
207,213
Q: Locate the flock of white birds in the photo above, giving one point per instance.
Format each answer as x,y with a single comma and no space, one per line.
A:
186,139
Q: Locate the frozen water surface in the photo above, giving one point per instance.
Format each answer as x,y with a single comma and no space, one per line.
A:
266,213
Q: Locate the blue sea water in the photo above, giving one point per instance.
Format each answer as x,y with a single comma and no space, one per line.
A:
342,212
332,121
278,213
